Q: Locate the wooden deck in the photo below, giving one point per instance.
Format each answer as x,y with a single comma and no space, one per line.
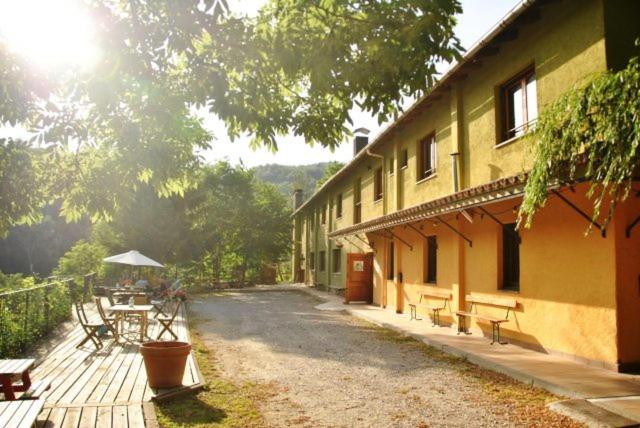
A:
105,388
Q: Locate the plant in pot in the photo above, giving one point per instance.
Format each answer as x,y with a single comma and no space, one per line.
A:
165,362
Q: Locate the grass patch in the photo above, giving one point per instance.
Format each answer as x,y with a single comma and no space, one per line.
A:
221,403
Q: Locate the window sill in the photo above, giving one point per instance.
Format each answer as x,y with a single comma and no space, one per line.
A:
431,177
508,291
431,284
377,201
510,141
403,167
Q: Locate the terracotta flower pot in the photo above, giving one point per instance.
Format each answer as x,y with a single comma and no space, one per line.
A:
165,362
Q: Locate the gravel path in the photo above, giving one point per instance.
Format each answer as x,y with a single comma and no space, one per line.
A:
328,369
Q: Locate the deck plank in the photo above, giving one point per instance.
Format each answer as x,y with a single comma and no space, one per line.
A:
72,418
102,388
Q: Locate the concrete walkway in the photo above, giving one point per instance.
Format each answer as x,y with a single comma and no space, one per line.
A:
597,396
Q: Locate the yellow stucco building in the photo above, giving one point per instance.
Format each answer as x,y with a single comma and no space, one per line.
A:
434,198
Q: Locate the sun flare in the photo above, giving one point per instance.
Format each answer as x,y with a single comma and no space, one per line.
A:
51,34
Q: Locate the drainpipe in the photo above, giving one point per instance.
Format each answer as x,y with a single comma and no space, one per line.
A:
384,180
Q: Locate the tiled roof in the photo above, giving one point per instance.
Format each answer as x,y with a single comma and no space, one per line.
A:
501,189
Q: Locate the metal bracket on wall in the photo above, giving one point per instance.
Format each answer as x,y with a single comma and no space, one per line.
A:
417,230
603,231
631,226
397,237
354,244
363,241
492,217
456,231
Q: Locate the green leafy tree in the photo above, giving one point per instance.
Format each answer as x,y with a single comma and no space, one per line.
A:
21,194
83,258
591,133
332,168
297,68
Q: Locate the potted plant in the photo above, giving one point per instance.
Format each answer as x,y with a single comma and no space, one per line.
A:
165,362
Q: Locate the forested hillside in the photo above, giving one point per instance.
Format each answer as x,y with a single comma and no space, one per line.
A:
287,178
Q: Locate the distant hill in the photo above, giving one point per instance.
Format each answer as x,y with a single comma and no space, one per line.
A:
288,178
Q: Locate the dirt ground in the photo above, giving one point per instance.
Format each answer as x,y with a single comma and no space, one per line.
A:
328,369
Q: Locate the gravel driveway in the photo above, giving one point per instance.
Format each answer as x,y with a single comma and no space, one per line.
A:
328,369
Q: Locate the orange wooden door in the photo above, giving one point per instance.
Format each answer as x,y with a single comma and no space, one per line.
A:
359,278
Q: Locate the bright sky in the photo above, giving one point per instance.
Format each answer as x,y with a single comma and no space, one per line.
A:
59,35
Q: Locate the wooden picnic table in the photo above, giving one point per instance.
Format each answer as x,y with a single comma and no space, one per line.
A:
20,414
9,369
121,311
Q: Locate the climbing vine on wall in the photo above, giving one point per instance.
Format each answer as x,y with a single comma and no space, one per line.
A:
590,133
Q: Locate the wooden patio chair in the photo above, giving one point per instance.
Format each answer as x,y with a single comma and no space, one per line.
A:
109,295
167,322
109,321
91,330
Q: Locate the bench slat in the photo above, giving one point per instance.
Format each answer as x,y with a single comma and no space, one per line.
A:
427,306
506,302
482,317
441,294
36,389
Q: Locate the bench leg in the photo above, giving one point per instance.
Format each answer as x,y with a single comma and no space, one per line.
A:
496,333
414,313
436,318
462,325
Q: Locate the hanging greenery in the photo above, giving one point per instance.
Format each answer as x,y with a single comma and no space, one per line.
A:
593,134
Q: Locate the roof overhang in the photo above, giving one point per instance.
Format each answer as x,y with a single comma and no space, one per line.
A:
495,191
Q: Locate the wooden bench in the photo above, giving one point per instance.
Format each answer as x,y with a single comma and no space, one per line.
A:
36,389
12,369
432,294
20,414
507,303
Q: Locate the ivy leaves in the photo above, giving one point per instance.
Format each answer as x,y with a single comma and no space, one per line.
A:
592,134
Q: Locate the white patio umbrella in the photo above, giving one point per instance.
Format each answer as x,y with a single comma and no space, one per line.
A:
132,258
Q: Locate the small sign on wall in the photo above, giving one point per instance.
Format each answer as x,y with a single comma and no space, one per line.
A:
358,266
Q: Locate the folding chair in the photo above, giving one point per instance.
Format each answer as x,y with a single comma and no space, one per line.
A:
109,297
168,322
109,321
91,330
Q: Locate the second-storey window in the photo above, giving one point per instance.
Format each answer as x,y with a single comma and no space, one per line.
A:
404,158
324,214
392,165
377,185
339,205
519,104
426,157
